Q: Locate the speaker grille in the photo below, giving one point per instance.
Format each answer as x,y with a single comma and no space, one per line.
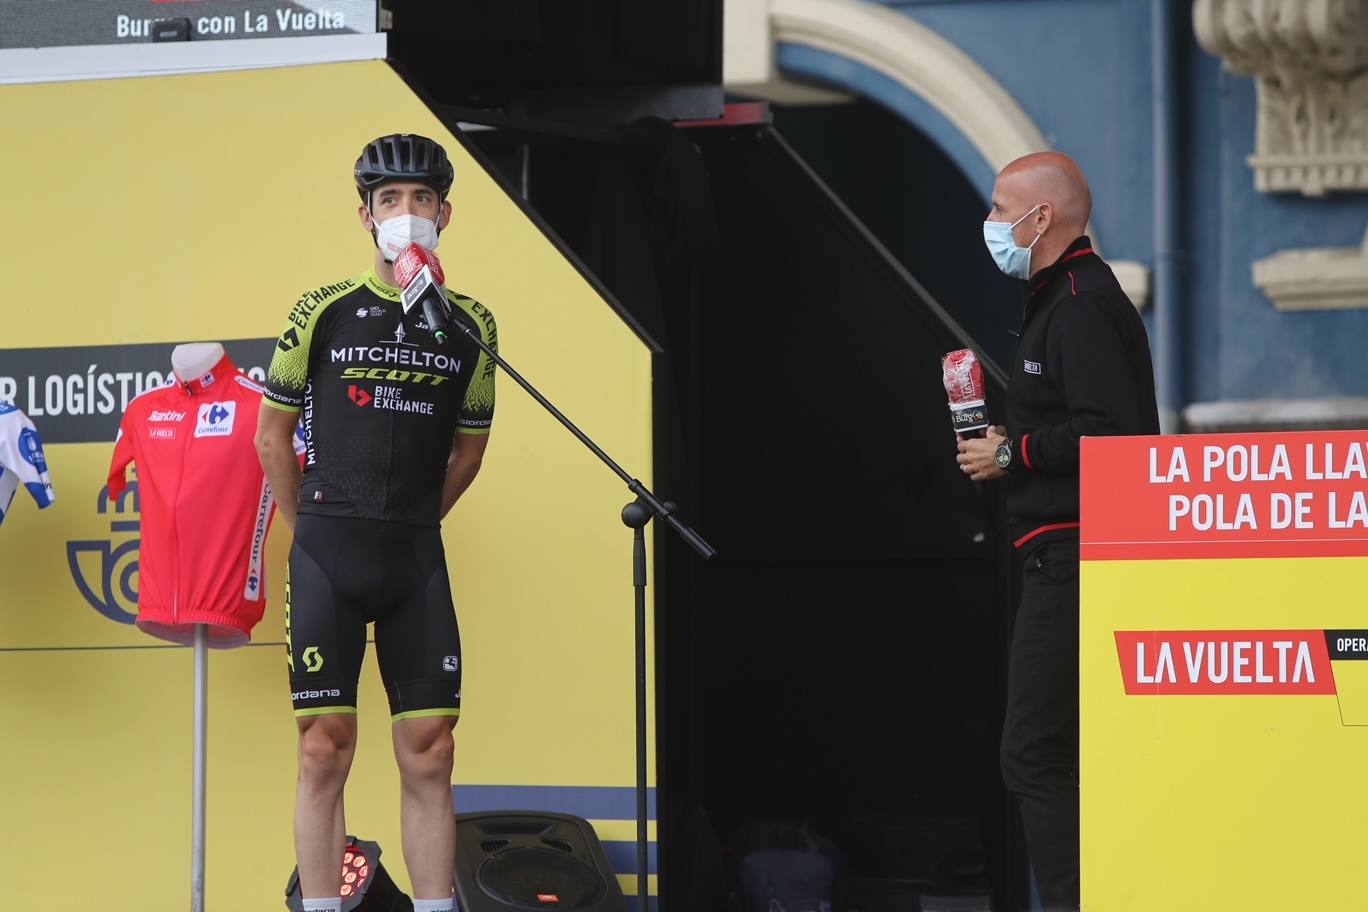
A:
524,876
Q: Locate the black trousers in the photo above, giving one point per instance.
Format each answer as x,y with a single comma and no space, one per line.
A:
1040,733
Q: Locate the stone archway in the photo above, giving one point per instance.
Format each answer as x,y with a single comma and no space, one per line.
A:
924,77
921,62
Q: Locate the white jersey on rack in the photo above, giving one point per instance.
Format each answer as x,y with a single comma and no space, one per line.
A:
21,459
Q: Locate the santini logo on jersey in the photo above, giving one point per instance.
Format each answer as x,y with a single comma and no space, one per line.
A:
160,415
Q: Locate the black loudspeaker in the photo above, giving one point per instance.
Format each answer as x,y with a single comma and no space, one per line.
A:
532,860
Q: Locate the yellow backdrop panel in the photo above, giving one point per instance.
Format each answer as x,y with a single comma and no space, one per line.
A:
1219,772
196,208
1193,803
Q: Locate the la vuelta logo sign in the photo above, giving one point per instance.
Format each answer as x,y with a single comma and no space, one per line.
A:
1235,662
105,570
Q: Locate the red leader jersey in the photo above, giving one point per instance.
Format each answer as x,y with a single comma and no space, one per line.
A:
206,506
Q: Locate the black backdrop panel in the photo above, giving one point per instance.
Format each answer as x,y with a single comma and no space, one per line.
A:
917,202
459,50
848,648
844,655
828,417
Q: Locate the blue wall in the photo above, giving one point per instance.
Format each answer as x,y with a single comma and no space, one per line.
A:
1081,70
1259,351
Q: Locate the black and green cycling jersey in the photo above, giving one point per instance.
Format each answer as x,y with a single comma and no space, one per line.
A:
381,398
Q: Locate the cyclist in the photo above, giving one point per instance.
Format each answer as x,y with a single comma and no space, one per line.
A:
395,426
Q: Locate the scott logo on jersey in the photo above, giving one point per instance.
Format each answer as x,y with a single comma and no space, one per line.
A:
422,378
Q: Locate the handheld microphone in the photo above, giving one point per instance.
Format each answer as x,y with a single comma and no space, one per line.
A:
962,375
420,277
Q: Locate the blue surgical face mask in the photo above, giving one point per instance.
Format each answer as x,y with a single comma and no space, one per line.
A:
1011,259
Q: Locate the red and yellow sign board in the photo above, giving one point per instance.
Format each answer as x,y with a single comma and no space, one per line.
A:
1223,671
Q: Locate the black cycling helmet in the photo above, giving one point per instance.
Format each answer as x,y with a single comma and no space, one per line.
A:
403,157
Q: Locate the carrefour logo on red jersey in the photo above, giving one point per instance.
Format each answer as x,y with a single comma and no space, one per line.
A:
215,419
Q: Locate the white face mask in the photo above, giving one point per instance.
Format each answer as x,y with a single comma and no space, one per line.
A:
397,232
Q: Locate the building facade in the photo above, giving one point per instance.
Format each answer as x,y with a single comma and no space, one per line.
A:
1226,142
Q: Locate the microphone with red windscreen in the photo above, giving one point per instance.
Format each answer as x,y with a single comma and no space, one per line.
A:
962,375
420,277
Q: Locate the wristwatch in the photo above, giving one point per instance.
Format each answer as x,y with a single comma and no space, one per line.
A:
1003,455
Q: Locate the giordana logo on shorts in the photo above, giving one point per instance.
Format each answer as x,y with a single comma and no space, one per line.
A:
451,663
314,694
215,419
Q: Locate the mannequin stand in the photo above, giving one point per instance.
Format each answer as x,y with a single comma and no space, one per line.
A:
201,756
188,362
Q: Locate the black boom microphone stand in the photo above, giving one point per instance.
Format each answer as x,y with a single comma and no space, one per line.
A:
635,515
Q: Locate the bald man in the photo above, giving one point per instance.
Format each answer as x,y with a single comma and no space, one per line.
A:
1082,368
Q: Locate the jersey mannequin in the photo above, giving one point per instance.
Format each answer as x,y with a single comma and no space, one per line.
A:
195,359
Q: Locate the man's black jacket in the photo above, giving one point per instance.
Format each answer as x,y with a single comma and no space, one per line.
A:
1082,369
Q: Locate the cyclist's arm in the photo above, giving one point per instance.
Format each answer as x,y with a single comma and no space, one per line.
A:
467,452
287,379
275,449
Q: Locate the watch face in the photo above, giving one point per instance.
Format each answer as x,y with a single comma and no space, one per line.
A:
1003,456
